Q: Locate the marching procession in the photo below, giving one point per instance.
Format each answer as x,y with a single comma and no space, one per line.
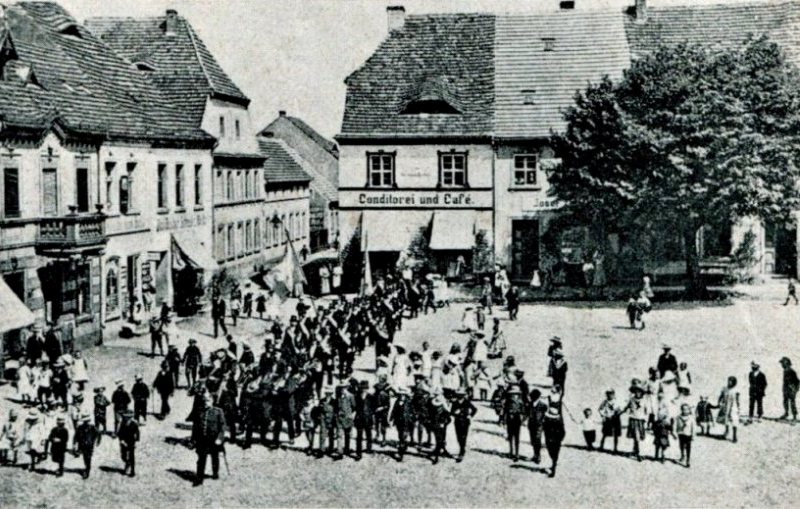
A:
303,386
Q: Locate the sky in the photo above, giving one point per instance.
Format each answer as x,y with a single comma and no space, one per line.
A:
294,55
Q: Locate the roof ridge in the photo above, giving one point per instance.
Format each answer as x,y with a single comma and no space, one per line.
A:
190,30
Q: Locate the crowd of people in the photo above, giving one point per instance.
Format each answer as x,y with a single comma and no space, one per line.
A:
302,385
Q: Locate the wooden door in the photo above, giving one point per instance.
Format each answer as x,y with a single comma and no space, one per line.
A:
524,248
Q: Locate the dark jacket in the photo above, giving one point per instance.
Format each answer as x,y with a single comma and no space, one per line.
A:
85,437
192,356
208,428
403,413
365,410
345,410
128,432
536,411
58,443
790,381
666,362
463,410
327,412
174,360
758,384
164,383
120,399
139,391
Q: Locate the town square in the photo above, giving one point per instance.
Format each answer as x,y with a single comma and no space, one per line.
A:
352,253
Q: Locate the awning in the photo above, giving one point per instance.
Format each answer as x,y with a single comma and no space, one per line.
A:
16,314
388,231
189,250
453,230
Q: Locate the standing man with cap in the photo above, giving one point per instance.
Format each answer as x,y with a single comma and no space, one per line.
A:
514,412
128,435
174,361
59,436
164,384
463,411
345,417
440,418
101,404
666,362
120,400
140,394
85,438
757,389
402,416
192,358
790,387
208,434
365,416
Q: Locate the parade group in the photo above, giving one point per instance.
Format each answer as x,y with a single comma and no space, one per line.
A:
303,384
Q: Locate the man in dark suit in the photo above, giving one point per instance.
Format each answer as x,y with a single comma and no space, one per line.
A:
758,387
365,417
345,417
218,315
128,435
666,362
86,436
208,434
57,442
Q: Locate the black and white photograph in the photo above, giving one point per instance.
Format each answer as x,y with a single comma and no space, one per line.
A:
399,253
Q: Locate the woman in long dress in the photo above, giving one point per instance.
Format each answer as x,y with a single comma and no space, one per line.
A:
469,322
729,408
401,368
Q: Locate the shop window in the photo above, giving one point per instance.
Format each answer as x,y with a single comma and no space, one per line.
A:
112,288
525,170
380,169
453,169
76,295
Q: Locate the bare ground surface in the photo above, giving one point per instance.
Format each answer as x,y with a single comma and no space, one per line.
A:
717,341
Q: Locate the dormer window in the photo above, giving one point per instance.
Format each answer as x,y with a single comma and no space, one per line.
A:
528,97
435,106
549,43
71,30
431,95
144,67
7,54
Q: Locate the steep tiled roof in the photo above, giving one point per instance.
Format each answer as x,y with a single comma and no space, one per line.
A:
534,86
184,69
280,166
721,24
326,144
456,49
65,77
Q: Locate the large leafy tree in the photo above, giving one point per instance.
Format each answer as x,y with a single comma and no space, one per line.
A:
691,136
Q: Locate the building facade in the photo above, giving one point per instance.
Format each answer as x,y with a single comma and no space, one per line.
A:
446,127
320,159
97,177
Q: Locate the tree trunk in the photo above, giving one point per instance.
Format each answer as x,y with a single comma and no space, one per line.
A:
694,283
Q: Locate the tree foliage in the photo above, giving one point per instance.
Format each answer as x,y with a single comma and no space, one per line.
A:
691,136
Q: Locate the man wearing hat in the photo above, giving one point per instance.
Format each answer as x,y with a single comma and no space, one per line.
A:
757,389
59,436
192,358
666,362
120,399
790,387
365,416
536,411
440,418
638,415
164,384
463,411
382,402
59,382
101,404
140,394
208,435
174,361
327,421
128,435
247,358
558,368
514,412
402,417
345,416
85,437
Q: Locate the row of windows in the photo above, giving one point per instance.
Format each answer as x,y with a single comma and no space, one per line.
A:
453,169
237,128
235,185
179,181
243,238
10,206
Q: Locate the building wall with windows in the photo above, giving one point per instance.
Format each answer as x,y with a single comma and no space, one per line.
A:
149,194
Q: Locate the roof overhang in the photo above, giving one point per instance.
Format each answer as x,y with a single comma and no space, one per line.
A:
411,139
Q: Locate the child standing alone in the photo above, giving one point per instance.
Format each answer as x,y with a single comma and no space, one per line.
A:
684,425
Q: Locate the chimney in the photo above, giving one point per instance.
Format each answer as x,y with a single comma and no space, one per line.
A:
171,24
566,5
641,11
396,15
282,113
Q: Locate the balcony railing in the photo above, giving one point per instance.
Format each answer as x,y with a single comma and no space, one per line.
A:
72,232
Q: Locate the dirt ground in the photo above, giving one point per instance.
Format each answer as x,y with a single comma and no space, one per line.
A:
717,341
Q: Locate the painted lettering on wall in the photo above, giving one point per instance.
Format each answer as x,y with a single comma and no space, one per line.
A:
416,199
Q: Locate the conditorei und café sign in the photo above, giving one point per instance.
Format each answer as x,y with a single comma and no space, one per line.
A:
415,199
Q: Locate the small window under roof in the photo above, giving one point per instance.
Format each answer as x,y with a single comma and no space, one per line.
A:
432,95
144,66
528,97
549,43
70,29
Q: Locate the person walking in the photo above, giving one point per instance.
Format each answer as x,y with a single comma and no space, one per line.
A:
791,289
365,417
638,416
462,411
612,423
512,302
140,394
86,437
164,385
758,388
57,442
218,315
120,400
729,408
553,427
192,359
208,435
128,435
440,418
514,410
537,409
790,386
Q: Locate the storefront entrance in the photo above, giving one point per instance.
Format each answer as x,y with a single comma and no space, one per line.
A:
780,249
524,248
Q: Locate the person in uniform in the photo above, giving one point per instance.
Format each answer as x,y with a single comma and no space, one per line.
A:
86,436
365,417
192,358
402,417
514,413
120,399
208,435
536,412
57,441
463,411
140,393
128,435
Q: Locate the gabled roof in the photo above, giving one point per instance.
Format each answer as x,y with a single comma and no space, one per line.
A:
280,166
722,24
452,48
183,67
66,78
326,144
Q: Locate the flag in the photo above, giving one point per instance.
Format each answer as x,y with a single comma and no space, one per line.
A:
284,277
366,271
